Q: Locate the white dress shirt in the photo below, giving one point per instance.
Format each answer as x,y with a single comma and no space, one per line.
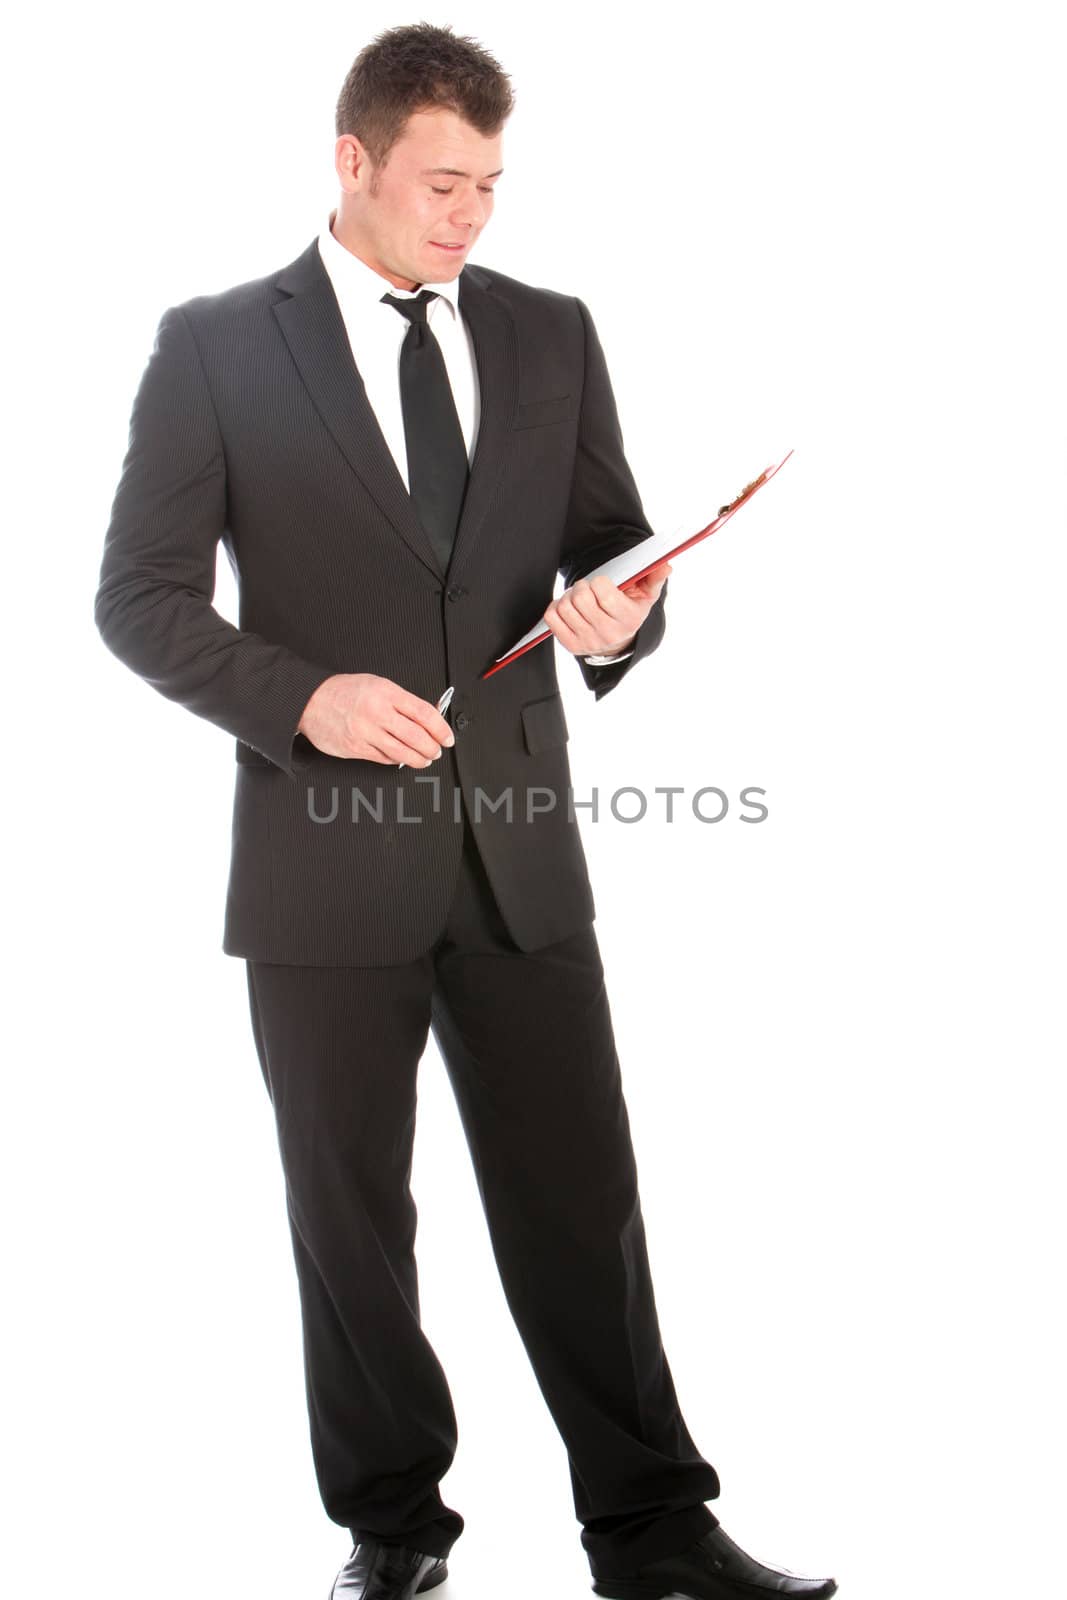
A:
376,331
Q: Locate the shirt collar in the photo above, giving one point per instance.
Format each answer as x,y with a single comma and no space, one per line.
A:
359,287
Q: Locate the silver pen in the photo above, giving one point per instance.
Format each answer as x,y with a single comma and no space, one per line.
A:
442,706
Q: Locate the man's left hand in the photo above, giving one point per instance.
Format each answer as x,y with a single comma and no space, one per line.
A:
594,617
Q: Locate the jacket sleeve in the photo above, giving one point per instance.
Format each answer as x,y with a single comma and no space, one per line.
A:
605,515
157,578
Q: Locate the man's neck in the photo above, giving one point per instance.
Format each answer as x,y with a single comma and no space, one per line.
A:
351,247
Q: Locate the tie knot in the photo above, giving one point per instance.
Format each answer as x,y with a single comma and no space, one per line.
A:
415,308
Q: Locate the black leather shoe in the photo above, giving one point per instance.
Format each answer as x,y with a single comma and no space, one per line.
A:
712,1569
376,1571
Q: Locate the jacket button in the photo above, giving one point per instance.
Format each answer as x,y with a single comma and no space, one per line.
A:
456,593
462,721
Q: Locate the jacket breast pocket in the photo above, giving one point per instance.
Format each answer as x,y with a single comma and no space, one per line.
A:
536,413
543,724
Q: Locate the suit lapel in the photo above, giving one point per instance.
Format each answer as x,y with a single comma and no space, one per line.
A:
315,331
496,353
311,321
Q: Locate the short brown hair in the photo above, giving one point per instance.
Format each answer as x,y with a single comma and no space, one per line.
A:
417,68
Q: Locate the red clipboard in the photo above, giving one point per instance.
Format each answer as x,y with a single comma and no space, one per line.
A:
539,632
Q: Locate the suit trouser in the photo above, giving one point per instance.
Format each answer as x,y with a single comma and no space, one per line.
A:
528,1045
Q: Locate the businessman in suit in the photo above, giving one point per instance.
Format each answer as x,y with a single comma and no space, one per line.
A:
400,451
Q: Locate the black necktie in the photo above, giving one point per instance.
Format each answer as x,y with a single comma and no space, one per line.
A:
437,455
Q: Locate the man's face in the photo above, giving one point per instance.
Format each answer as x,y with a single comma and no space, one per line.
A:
402,218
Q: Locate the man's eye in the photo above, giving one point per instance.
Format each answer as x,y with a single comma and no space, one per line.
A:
485,188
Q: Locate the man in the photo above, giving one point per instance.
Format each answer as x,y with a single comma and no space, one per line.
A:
400,451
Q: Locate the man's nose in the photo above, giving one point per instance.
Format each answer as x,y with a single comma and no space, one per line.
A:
471,213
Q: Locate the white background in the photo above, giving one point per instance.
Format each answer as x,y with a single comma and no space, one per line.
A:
830,227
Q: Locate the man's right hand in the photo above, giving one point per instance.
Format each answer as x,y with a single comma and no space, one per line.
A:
359,714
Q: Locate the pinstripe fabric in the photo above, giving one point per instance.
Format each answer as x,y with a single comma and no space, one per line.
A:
529,1048
251,425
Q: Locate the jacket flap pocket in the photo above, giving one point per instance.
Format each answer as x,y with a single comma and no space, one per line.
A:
534,413
248,756
544,724
304,753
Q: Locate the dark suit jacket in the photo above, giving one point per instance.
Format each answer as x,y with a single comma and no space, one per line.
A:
251,425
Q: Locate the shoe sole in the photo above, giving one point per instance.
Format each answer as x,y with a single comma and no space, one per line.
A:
432,1579
645,1589
631,1588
